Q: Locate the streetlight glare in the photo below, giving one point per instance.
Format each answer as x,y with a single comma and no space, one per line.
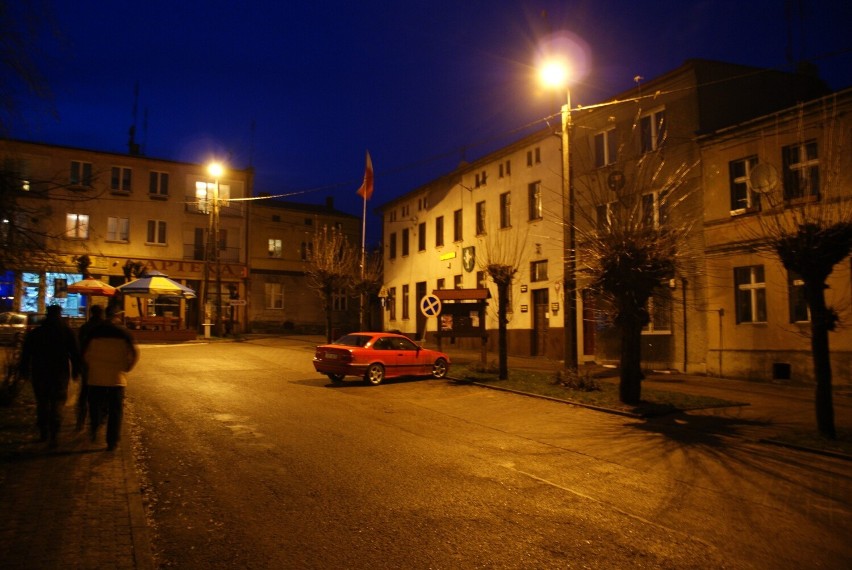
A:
215,169
555,74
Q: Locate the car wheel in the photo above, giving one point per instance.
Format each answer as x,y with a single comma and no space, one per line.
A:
336,378
375,374
439,369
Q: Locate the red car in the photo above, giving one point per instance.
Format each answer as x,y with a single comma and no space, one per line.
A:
375,356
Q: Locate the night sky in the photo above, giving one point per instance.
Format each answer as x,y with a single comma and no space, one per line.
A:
300,90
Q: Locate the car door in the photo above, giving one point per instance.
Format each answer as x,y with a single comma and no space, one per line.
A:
410,359
385,352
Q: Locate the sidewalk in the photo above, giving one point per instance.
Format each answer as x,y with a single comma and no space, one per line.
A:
77,506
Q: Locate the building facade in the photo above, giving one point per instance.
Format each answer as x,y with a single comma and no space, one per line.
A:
638,154
775,171
281,242
119,210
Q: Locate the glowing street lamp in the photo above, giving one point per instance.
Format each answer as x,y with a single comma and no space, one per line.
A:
556,74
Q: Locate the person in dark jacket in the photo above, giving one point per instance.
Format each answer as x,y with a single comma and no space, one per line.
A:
50,357
110,354
96,317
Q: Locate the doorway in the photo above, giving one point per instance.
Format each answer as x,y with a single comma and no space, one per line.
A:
420,318
540,324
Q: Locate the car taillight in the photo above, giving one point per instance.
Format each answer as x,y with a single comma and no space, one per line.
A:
346,357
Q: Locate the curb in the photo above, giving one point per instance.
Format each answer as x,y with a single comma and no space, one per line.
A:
140,535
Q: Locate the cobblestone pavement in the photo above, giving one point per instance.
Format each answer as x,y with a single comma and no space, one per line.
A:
76,506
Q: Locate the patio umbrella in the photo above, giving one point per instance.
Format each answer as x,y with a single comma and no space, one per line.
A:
91,286
156,285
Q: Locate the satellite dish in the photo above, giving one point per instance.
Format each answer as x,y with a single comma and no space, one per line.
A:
763,178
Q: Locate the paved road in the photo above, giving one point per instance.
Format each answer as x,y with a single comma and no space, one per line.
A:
250,459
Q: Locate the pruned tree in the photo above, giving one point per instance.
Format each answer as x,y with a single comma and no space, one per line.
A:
806,222
500,257
633,235
330,267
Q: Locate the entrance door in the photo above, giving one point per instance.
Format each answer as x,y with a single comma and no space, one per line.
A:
540,322
419,293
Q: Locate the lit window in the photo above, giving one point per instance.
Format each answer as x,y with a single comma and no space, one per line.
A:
77,226
275,247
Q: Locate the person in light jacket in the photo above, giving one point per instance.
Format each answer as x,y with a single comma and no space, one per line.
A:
109,354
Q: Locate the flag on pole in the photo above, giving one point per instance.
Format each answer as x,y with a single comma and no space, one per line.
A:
366,189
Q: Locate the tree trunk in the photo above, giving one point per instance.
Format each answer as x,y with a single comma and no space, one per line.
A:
630,385
502,341
328,321
821,324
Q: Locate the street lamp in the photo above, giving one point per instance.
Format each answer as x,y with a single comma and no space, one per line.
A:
215,170
555,74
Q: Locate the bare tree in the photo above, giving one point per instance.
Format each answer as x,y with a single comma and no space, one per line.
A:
806,221
330,268
633,234
500,258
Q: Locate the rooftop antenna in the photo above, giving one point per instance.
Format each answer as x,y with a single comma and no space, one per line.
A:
132,146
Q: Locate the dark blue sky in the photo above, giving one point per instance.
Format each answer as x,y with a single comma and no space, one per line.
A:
301,89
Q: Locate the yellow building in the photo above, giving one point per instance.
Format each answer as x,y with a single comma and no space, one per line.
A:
281,238
508,207
62,203
794,165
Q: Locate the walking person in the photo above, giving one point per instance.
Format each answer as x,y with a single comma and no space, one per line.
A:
96,317
109,355
50,357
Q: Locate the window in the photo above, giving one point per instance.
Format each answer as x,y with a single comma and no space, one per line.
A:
457,226
750,289
534,156
158,184
275,247
659,311
442,284
118,229
405,242
156,232
421,236
481,178
606,151
405,210
274,295
799,311
339,300
202,197
655,212
439,231
801,171
307,250
223,240
457,281
652,130
506,210
120,179
423,203
481,279
505,168
81,173
480,218
392,246
309,221
743,199
77,226
405,301
534,199
607,216
392,303
538,270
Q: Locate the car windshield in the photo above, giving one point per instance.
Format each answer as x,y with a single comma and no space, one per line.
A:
353,340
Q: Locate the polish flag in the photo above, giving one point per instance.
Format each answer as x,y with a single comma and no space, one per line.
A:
366,189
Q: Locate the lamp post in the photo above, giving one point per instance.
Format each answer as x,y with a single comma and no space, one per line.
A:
215,170
555,74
